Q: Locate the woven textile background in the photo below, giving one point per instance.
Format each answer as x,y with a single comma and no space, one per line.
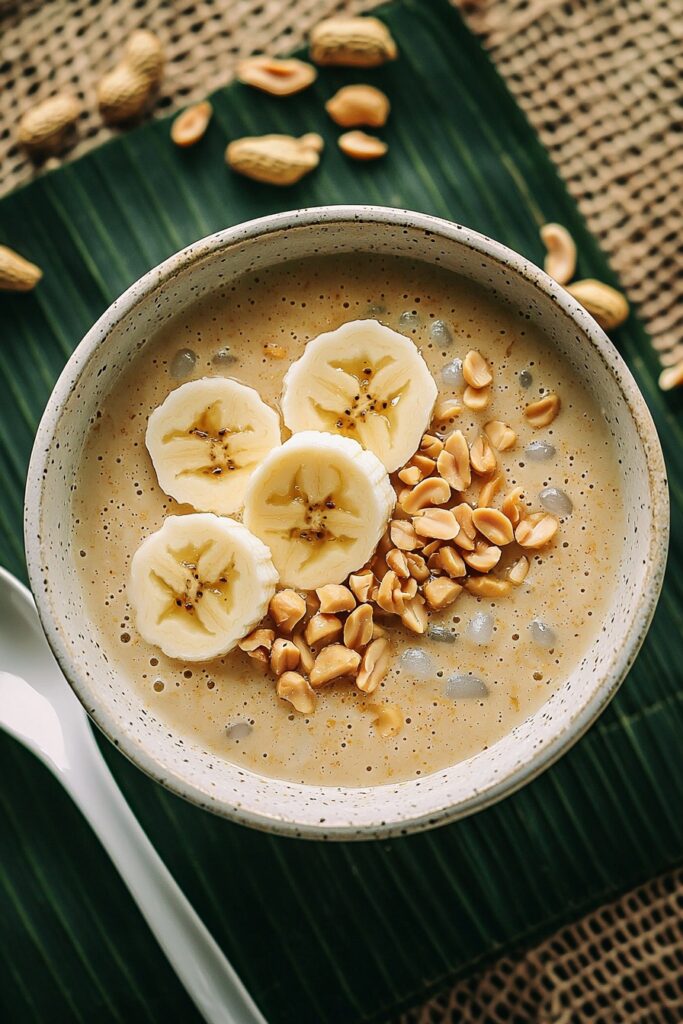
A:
602,83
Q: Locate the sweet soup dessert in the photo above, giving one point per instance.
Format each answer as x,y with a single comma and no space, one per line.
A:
347,520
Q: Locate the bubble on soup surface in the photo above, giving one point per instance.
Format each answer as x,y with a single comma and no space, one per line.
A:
539,451
223,357
183,363
464,687
451,374
480,628
542,634
417,663
440,333
526,379
408,319
441,634
556,501
375,310
238,730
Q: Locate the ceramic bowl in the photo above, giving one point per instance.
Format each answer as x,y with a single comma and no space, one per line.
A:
337,812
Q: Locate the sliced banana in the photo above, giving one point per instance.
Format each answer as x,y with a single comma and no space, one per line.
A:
199,584
364,381
206,439
320,503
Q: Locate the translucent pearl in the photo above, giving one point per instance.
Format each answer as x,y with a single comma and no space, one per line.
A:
440,333
463,687
526,379
539,451
238,731
556,501
223,357
441,634
408,319
542,634
451,374
182,363
480,628
417,663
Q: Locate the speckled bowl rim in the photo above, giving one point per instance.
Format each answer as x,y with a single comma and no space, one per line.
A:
605,687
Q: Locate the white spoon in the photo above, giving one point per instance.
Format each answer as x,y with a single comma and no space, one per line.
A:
38,707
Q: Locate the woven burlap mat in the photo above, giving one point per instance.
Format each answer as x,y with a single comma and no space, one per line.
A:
602,83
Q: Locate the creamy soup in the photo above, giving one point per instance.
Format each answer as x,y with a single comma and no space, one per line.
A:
484,664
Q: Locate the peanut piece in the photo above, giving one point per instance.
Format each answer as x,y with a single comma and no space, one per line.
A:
332,662
476,399
449,561
512,506
453,464
445,411
536,530
463,514
334,598
410,475
605,304
358,627
489,490
46,127
430,446
432,491
396,560
286,609
560,260
500,435
352,42
493,525
483,457
517,573
543,412
293,687
123,93
190,126
274,351
476,370
390,597
305,653
388,719
441,592
361,584
257,638
374,665
355,106
274,159
424,464
487,586
16,273
484,557
429,549
414,616
322,629
417,567
275,76
284,656
439,523
403,535
360,146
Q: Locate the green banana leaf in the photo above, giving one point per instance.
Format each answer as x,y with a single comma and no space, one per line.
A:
334,933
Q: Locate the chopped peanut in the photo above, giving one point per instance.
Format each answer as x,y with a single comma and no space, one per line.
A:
489,490
284,656
388,719
274,351
465,539
512,506
332,662
495,526
483,457
429,549
424,464
396,560
449,561
417,567
437,523
335,598
293,687
358,627
476,399
500,435
484,557
487,586
441,592
445,411
432,491
286,609
374,665
536,530
257,638
543,412
306,655
476,370
403,536
430,446
322,629
361,583
518,572
410,475
390,596
414,616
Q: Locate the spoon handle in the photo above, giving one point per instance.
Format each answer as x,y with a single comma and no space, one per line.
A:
210,980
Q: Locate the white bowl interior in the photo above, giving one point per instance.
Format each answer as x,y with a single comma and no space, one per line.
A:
220,785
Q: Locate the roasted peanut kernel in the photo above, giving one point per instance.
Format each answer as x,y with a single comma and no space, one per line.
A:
487,586
275,76
335,598
286,609
560,260
409,587
403,536
445,411
379,568
450,562
483,457
424,464
284,656
536,530
512,506
305,653
517,573
352,42
322,629
432,491
390,597
332,662
396,560
476,399
476,370
274,351
543,412
312,603
463,514
484,557
437,523
500,435
293,687
260,658
388,720
441,592
359,145
378,632
430,446
354,106
417,567
454,462
429,549
604,303
358,627
374,665
410,475
361,583
414,615
190,126
257,638
493,525
489,490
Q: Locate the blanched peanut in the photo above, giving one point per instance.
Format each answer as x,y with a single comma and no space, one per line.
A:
429,549
476,370
487,586
484,557
414,615
495,526
453,463
332,662
424,464
489,490
410,475
322,629
275,76
432,491
441,592
257,638
430,446
512,506
305,653
543,412
482,456
396,560
374,665
293,687
536,530
445,411
361,146
353,106
390,596
286,609
361,583
388,720
476,399
358,627
403,536
284,656
334,598
500,435
417,567
449,561
517,573
465,539
438,523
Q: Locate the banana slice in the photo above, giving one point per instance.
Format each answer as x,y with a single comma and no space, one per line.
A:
206,439
321,504
364,381
199,584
